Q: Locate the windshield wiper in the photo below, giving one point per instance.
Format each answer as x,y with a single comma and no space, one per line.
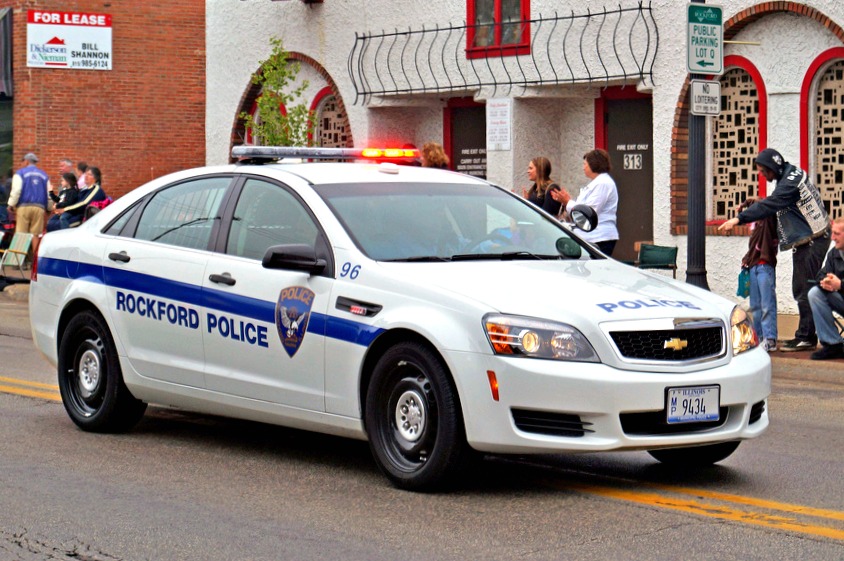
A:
508,256
173,229
418,259
529,255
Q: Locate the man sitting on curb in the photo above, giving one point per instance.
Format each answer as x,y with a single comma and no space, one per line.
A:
828,296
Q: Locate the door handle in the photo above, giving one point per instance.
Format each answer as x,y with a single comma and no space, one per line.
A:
122,257
225,278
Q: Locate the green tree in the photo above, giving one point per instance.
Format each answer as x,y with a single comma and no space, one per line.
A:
269,125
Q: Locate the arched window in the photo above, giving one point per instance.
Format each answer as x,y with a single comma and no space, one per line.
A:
330,121
739,132
828,138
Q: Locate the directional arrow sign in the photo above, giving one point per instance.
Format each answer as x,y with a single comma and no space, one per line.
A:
705,39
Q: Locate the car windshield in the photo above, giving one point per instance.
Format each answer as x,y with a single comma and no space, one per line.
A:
447,222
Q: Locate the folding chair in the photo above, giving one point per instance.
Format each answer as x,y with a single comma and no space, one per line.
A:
15,254
657,257
839,323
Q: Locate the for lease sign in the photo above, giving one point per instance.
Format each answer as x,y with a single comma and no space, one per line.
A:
68,40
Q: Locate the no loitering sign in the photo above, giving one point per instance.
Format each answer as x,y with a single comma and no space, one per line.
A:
68,40
705,53
706,97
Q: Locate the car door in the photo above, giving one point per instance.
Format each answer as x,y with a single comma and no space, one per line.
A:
264,329
154,277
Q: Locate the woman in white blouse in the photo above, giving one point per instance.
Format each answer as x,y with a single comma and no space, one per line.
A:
600,194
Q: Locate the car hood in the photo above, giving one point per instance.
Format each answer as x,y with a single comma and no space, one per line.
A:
599,290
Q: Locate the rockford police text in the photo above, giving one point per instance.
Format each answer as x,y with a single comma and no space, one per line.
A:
156,309
176,314
652,303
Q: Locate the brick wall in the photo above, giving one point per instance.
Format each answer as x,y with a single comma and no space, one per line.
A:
140,120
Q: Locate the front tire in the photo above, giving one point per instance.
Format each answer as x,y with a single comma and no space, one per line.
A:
413,419
90,378
696,456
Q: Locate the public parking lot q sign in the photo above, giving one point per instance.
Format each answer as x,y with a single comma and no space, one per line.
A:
705,39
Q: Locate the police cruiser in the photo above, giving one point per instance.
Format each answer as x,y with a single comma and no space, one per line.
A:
431,313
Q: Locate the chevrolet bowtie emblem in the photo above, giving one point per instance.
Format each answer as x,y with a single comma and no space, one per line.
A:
675,344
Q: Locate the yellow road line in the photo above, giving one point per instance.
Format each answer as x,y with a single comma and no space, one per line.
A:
52,396
712,510
28,383
761,503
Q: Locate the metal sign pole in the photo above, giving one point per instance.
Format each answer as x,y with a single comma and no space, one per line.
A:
704,52
696,238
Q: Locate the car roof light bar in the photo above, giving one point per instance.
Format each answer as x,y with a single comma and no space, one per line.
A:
265,153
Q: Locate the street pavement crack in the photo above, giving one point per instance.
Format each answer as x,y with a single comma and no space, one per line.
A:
23,546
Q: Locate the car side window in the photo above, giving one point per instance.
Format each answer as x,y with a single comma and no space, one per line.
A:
268,215
116,228
184,214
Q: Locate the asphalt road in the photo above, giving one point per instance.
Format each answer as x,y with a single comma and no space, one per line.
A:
187,486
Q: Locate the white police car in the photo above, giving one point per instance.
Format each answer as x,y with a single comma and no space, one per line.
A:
429,312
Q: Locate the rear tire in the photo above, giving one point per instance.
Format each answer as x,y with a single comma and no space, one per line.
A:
413,419
90,378
696,456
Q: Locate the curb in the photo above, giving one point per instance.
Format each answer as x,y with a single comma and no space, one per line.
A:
807,370
18,292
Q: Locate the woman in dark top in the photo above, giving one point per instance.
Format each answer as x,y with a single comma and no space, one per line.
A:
539,171
93,192
66,197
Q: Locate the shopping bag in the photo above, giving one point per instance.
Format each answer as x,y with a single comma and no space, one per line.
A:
743,290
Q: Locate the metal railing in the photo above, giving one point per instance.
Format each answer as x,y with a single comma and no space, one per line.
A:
617,45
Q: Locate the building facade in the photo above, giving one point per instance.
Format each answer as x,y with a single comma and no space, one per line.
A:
499,82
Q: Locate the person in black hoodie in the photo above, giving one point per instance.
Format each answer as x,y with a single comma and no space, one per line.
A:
802,226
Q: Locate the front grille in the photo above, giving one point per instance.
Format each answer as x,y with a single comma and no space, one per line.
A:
654,422
651,345
555,424
756,412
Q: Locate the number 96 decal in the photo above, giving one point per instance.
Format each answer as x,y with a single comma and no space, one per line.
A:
349,270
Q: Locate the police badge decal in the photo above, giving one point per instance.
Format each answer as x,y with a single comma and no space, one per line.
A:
292,312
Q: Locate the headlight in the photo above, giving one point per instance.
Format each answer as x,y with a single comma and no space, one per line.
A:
528,337
743,335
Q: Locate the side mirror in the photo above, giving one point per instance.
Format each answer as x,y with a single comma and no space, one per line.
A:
569,248
584,217
297,257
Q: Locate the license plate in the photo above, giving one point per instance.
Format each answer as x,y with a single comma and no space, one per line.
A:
693,404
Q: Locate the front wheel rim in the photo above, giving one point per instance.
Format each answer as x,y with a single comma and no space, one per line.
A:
411,415
409,431
88,373
87,376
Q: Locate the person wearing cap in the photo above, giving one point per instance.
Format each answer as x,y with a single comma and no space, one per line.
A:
30,198
803,227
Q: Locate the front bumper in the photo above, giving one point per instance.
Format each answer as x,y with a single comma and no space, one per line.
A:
620,409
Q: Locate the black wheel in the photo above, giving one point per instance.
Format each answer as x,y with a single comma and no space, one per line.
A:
696,456
90,379
413,419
